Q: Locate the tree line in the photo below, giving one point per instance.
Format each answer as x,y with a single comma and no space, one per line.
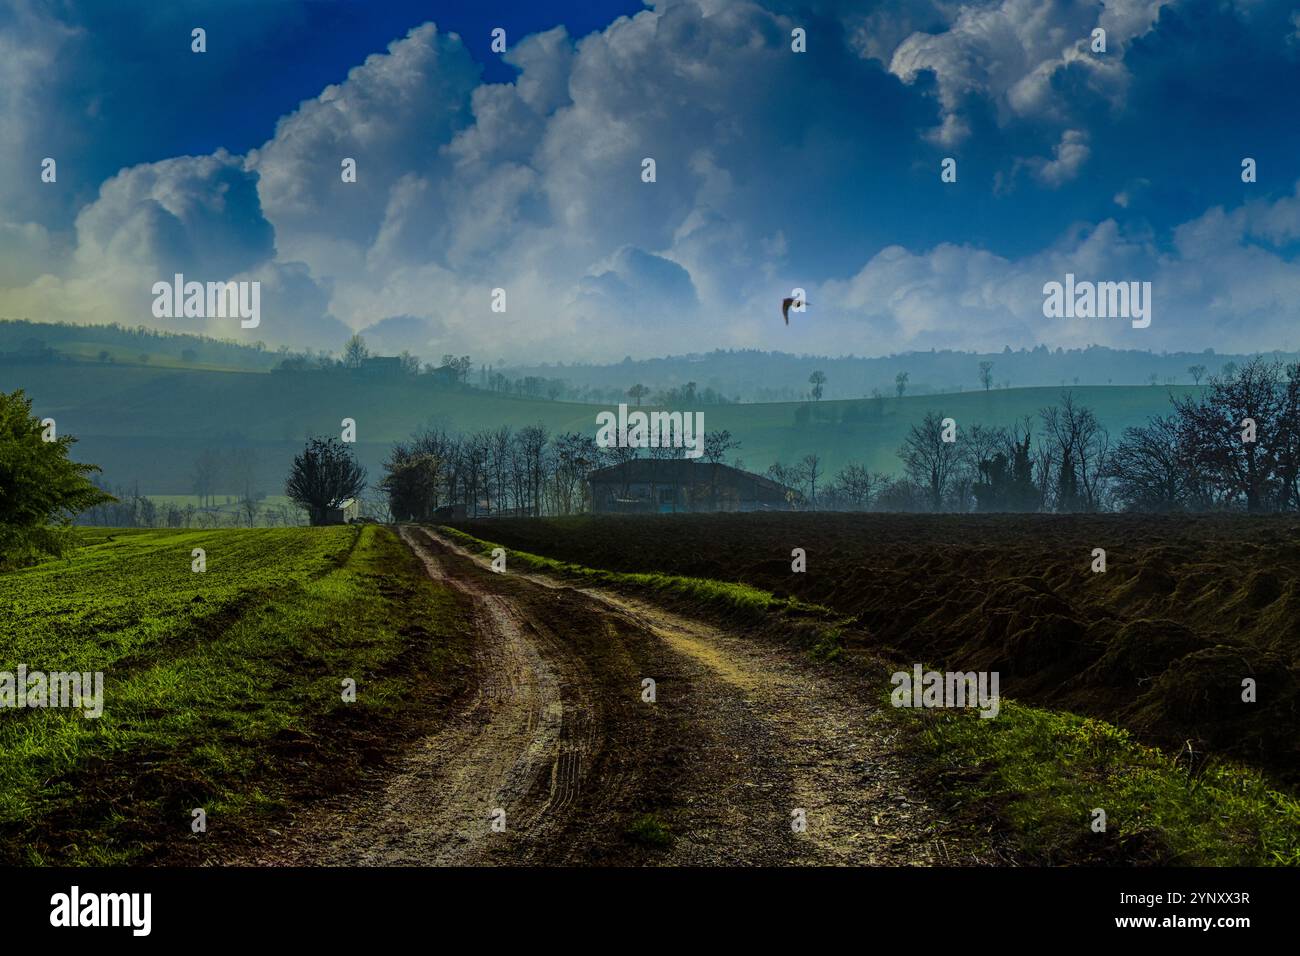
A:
1234,447
525,471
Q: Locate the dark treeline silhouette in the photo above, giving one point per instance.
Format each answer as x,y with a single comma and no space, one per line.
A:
1235,447
524,471
521,471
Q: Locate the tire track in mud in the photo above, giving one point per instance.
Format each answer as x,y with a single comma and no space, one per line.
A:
774,733
556,734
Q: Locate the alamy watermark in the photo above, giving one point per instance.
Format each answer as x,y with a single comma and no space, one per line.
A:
58,689
1098,300
946,689
75,908
212,300
651,430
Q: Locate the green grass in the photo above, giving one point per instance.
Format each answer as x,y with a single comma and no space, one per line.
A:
649,830
727,597
1043,773
1035,773
218,686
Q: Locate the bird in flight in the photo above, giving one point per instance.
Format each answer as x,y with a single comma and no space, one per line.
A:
785,308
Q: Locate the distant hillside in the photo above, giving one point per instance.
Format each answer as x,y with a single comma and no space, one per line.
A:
147,426
44,342
778,376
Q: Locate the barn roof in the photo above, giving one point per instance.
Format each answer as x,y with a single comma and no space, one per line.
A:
683,471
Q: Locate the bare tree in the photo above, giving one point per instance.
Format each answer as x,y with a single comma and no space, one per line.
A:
355,352
789,478
857,486
533,441
241,469
1214,430
1082,445
810,467
572,459
207,466
928,459
1148,467
986,375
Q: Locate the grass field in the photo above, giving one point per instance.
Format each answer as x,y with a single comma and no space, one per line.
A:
147,425
222,689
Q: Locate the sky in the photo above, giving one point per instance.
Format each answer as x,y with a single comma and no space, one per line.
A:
775,169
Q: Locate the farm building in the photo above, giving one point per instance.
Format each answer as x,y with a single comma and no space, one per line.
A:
347,511
381,366
666,486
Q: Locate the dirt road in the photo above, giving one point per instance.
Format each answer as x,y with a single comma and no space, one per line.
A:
558,759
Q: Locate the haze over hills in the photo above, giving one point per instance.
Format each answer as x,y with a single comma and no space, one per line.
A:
753,375
148,421
747,375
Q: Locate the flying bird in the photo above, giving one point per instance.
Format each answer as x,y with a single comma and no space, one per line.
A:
785,308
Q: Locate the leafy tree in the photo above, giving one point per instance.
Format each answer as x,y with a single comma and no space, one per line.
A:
637,392
1067,487
412,484
900,383
1006,477
817,380
324,476
41,489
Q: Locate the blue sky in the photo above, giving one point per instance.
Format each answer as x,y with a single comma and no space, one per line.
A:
775,170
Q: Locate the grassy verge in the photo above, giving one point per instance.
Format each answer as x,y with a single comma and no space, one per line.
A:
1044,774
1036,775
222,689
727,595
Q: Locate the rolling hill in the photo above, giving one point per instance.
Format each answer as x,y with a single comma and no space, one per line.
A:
145,425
